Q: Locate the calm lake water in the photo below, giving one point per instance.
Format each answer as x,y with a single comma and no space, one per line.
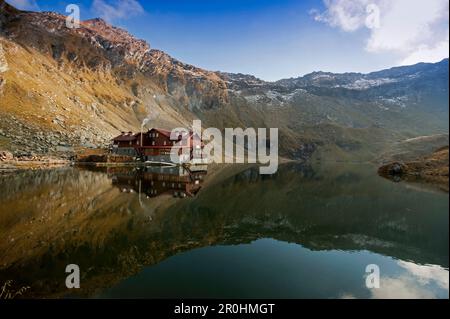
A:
305,232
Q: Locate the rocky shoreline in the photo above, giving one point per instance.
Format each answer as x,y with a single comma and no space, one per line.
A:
10,162
432,169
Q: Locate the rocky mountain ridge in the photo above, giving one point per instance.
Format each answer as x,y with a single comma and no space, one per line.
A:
65,88
393,86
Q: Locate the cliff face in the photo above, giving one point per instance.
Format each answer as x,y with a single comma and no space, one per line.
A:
63,88
82,86
98,46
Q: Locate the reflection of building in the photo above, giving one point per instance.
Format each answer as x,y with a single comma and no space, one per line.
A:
155,181
156,145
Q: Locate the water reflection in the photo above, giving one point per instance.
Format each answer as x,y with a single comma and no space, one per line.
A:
418,282
156,181
118,223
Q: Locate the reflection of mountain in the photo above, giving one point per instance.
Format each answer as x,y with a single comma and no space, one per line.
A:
157,181
336,208
73,216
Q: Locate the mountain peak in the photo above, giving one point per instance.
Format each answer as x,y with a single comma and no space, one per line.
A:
97,20
112,33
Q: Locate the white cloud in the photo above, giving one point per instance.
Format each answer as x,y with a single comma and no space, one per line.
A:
348,15
412,282
24,4
415,283
427,273
415,30
117,9
401,288
428,53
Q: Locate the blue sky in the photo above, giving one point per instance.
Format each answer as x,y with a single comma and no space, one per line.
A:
278,39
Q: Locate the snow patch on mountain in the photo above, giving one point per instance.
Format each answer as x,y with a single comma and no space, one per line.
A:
401,101
273,97
364,84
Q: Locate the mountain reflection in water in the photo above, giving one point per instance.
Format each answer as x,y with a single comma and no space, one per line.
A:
305,232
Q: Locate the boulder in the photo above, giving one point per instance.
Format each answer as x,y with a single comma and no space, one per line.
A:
397,169
393,169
